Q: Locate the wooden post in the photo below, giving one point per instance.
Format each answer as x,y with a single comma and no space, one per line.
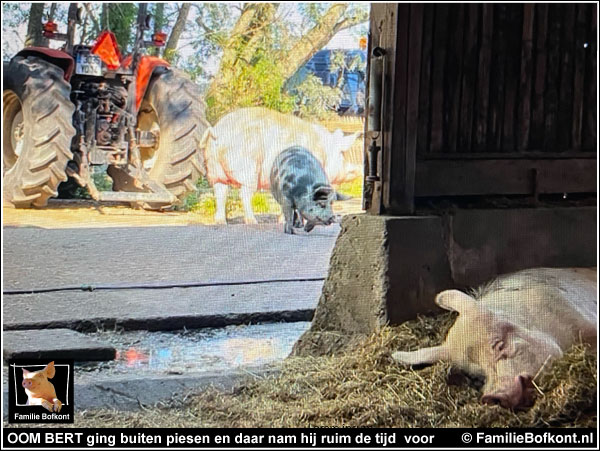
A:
400,139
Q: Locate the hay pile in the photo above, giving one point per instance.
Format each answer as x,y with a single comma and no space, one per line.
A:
363,387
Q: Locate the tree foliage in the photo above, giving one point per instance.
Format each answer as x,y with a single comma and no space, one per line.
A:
262,33
313,99
120,18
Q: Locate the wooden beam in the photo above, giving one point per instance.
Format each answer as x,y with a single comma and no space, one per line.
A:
505,177
524,116
382,31
454,76
578,86
385,17
483,78
440,43
398,187
591,100
469,78
511,76
497,88
536,138
424,125
565,105
552,78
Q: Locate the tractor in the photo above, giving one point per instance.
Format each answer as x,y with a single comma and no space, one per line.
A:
82,110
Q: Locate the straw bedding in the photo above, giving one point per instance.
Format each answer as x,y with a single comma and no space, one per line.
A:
362,386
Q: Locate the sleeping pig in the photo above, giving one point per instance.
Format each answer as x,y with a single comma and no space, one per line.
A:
299,184
510,328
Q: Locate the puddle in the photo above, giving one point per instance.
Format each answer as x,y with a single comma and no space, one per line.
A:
144,354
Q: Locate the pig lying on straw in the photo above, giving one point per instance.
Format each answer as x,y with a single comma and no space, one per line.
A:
509,329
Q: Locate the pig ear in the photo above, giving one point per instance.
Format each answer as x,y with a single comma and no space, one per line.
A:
322,193
456,301
339,196
50,370
25,372
424,355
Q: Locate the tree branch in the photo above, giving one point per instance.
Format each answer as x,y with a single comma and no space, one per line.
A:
90,13
316,38
176,32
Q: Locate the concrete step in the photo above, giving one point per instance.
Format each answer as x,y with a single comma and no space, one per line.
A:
49,344
163,309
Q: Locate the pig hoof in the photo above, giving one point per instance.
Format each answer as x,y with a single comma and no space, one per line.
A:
57,405
250,220
220,221
48,405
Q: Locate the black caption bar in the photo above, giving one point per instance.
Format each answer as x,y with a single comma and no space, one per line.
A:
298,438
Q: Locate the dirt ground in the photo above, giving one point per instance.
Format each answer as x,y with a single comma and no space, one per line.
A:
85,213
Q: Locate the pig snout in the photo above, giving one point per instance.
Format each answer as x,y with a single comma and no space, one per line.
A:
519,395
26,383
334,219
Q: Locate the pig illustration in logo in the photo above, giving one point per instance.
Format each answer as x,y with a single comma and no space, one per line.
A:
40,390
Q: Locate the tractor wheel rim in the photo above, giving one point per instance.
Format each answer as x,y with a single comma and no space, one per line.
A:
13,128
17,133
148,121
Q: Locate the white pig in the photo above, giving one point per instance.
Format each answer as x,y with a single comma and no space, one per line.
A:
510,328
241,147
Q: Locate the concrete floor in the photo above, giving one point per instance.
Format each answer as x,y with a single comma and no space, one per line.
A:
38,259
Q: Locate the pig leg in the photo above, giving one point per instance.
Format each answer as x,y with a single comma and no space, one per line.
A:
41,402
220,190
288,214
246,194
57,405
422,356
298,220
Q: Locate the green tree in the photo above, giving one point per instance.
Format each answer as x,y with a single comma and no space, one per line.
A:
120,18
261,38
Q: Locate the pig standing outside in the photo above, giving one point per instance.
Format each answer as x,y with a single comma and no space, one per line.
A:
509,329
299,184
241,147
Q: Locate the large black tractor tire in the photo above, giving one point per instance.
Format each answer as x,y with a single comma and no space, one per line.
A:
173,106
37,107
